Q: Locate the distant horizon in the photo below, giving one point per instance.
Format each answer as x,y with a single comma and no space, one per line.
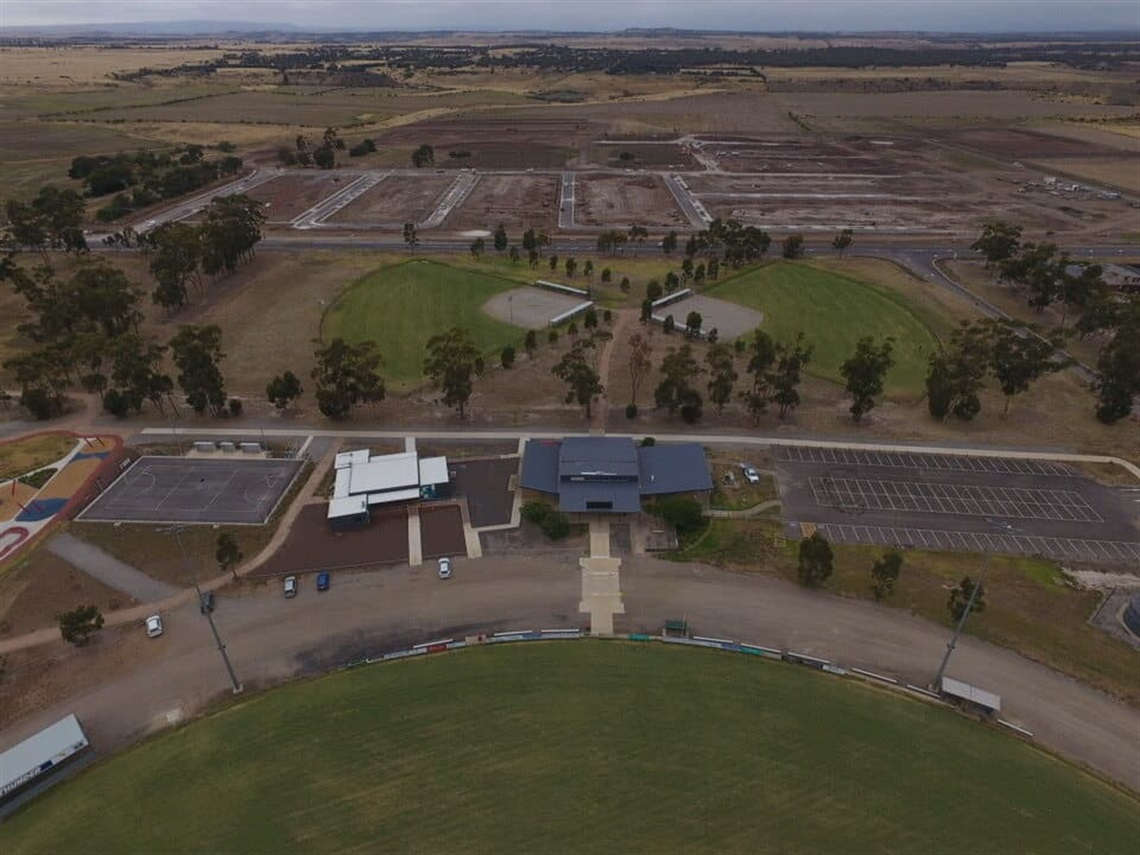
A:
723,17
167,28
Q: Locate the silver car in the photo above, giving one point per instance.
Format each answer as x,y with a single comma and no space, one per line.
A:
445,568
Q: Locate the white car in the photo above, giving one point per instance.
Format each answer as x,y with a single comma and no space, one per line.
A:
445,568
750,474
153,626
290,586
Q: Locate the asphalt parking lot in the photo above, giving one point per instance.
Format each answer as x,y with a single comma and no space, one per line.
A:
484,483
977,504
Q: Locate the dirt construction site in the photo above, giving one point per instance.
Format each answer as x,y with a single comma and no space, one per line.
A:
889,185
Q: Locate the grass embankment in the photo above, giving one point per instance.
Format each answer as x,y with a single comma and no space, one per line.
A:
575,747
834,312
1029,606
402,306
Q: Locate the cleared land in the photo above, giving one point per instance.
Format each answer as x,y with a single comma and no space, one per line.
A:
519,202
395,200
401,307
289,195
629,200
696,751
834,312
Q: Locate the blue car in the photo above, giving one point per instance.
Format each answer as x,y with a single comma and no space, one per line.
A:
322,581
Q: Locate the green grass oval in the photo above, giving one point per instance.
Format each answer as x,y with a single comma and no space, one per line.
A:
402,306
834,312
579,747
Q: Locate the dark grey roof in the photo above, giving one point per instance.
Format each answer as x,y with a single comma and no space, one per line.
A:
610,473
601,456
540,466
677,468
618,497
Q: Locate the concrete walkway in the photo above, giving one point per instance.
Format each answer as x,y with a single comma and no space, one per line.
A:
601,583
108,569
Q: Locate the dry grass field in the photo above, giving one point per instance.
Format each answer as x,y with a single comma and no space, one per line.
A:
40,584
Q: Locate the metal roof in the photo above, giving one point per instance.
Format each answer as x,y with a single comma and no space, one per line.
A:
39,752
433,470
389,496
586,471
386,472
597,457
613,497
679,468
348,506
970,693
351,458
540,466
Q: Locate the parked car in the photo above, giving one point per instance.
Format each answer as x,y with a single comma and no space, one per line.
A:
290,586
323,581
206,602
750,474
153,626
445,568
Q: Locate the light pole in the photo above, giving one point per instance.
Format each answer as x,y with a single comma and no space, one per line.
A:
961,623
176,530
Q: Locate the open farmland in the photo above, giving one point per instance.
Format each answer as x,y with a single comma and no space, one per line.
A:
1119,172
644,155
518,201
402,306
619,202
834,312
396,200
692,745
261,108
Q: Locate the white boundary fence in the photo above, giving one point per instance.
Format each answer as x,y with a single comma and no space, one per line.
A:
564,289
569,313
728,645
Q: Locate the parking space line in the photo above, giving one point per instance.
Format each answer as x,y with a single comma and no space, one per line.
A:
967,541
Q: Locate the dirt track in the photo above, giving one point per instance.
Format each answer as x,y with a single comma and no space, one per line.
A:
271,639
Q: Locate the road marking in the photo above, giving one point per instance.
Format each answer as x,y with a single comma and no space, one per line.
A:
968,541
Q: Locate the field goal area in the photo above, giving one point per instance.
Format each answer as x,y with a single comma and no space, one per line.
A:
193,490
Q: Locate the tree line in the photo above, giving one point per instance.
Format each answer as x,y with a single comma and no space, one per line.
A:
84,329
1047,277
145,177
380,60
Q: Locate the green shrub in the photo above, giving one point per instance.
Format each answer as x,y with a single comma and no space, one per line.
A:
535,512
38,479
631,411
556,525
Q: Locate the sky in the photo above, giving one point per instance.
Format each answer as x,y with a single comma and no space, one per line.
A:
600,15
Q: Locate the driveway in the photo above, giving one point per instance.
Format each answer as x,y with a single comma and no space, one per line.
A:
271,639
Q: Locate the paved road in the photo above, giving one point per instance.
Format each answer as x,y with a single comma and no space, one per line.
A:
124,687
109,570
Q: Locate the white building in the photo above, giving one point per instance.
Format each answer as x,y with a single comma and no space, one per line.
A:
363,481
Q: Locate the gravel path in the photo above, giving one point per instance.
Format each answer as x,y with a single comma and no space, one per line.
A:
109,570
271,639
